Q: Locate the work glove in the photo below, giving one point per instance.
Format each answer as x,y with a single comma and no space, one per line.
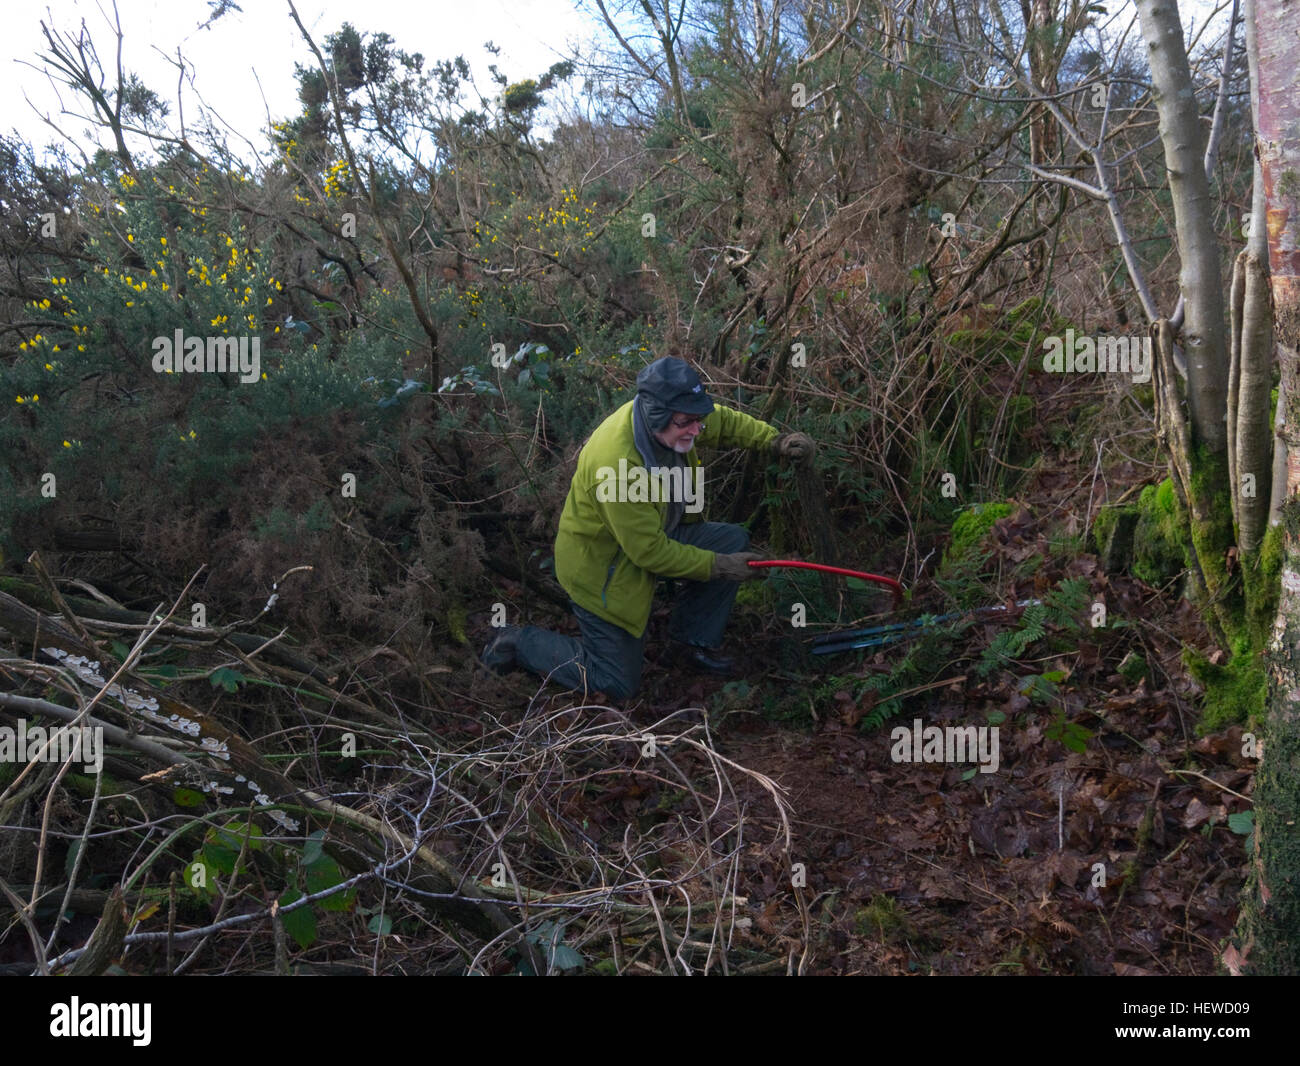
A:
735,567
796,446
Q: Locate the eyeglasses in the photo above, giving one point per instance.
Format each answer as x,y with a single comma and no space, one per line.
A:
689,422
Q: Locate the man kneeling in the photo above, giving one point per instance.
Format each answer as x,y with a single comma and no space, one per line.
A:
631,516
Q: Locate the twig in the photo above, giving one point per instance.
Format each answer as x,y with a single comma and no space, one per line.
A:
1203,777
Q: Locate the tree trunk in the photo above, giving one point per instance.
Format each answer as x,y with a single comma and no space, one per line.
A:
1198,248
1269,925
1202,471
1253,440
1249,383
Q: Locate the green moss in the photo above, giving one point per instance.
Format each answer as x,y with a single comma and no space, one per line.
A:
1166,498
881,918
1111,537
1214,536
1261,573
1243,603
1025,309
1021,412
1133,667
1128,877
1066,546
1235,692
1269,922
982,331
1159,551
971,527
456,617
1103,526
958,575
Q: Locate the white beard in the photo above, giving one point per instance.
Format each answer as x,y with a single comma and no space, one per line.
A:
684,446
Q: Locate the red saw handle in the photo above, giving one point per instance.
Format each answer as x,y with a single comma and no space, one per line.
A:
795,564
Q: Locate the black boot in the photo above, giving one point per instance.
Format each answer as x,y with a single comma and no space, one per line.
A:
500,653
705,660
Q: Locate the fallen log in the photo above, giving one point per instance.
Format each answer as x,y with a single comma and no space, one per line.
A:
36,597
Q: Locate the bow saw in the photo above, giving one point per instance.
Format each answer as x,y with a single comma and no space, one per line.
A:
872,636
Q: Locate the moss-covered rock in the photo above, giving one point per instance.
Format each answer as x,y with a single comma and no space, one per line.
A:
1159,554
969,530
1112,535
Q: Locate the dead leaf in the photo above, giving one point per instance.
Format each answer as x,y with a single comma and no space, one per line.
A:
1197,813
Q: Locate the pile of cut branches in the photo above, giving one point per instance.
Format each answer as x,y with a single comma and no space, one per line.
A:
251,813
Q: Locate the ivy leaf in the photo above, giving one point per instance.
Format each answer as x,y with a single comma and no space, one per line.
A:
381,925
323,874
224,677
299,924
1242,822
565,958
220,858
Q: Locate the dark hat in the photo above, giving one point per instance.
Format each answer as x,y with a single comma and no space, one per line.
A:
671,383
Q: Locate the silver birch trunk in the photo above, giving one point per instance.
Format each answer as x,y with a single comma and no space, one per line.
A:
1269,924
1204,332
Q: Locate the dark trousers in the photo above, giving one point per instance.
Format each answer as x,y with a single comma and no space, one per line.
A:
607,657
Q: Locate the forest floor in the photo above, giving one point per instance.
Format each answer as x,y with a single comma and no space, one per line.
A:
924,868
1102,844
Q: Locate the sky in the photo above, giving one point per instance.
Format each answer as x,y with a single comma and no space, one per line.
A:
243,64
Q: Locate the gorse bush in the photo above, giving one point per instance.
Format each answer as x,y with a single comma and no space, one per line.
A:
251,473
383,292
94,406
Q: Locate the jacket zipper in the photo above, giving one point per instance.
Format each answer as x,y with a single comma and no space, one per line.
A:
609,576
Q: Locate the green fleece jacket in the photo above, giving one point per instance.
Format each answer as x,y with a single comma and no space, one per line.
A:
608,553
